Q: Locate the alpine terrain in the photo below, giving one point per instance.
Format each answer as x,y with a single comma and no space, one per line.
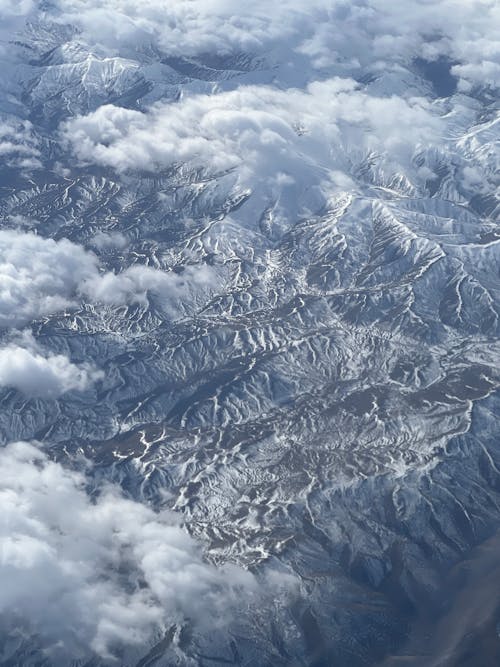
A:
249,333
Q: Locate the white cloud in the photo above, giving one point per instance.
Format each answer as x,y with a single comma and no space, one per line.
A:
39,374
186,27
268,134
96,574
40,276
133,284
290,148
10,8
109,241
485,72
334,34
331,33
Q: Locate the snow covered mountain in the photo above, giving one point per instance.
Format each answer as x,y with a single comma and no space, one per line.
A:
249,333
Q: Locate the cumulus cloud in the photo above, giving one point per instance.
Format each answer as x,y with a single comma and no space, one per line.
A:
265,132
39,374
96,574
40,276
382,32
485,72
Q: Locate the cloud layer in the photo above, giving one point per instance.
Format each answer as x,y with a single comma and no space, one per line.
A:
91,575
331,34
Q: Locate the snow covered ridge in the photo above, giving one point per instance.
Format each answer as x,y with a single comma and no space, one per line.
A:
249,326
